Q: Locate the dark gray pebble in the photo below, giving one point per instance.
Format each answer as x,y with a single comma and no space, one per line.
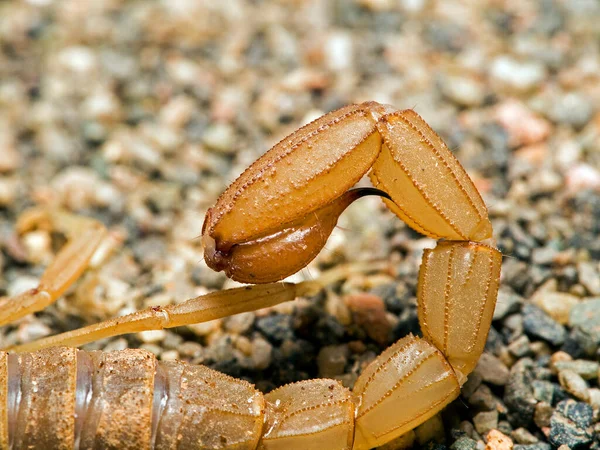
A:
586,316
537,323
580,344
393,302
508,302
571,425
518,393
277,327
543,390
464,443
494,343
483,398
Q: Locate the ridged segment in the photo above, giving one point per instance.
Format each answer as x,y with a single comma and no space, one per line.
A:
206,409
45,418
306,170
431,191
407,384
457,290
315,414
120,411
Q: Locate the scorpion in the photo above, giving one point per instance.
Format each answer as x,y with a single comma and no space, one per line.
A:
270,223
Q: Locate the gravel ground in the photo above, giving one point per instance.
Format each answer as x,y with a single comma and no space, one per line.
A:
139,113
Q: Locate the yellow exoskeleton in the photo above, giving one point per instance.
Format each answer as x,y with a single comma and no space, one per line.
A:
271,222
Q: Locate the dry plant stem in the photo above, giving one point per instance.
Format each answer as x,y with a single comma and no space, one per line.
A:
287,202
69,264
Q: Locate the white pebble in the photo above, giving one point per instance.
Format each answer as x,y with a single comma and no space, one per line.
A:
520,75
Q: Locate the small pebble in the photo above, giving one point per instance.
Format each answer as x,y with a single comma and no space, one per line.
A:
574,384
332,360
8,190
589,276
169,355
10,159
523,436
543,414
191,349
557,305
571,425
518,393
239,323
520,347
586,315
369,312
485,421
116,345
517,74
572,109
277,327
508,302
152,336
483,398
261,354
504,426
583,177
463,90
559,356
498,441
473,382
588,370
32,330
595,399
243,344
543,255
492,369
467,427
172,341
543,390
156,350
220,137
539,324
464,443
524,127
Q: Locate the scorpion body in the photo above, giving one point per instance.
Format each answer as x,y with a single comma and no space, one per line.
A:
269,224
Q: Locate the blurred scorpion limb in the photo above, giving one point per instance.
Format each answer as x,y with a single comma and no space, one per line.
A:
271,222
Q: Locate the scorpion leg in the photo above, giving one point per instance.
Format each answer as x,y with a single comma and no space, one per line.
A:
215,305
200,309
85,236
